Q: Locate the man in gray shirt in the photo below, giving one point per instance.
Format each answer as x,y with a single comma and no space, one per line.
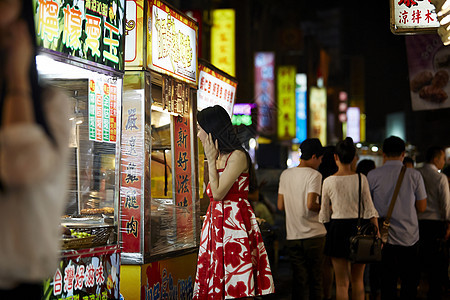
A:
400,254
433,222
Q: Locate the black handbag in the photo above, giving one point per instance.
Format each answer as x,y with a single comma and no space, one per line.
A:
365,246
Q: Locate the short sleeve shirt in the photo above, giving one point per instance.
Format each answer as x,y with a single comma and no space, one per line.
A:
404,229
340,198
295,185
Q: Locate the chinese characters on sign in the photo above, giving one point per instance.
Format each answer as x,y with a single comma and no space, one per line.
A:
170,278
413,16
286,102
215,88
86,277
132,168
173,43
103,110
265,91
300,104
223,41
318,113
90,29
169,289
183,175
176,95
183,162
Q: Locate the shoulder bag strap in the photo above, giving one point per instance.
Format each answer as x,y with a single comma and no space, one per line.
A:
394,196
358,226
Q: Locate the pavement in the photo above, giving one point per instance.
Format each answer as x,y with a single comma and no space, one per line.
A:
283,283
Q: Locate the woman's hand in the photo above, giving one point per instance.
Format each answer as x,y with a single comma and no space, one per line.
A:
211,149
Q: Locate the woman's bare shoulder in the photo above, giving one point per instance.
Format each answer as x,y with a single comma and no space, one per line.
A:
239,158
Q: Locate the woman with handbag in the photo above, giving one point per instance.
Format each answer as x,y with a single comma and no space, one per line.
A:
340,207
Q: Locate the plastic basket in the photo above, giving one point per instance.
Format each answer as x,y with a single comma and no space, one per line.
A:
101,234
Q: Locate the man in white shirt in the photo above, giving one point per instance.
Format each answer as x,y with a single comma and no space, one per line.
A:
298,195
433,222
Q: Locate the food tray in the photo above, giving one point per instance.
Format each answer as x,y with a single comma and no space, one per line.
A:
101,233
77,243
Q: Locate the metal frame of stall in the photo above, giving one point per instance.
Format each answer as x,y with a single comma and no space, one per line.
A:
159,235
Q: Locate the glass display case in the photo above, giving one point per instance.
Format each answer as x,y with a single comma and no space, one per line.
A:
90,218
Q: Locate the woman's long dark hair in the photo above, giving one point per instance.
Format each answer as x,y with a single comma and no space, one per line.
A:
215,120
27,14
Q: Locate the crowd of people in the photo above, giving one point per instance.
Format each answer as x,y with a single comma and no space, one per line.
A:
324,199
320,199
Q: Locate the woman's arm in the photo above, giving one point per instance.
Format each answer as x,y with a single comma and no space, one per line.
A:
374,221
325,210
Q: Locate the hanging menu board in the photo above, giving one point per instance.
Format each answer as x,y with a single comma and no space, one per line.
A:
173,43
103,109
215,87
409,16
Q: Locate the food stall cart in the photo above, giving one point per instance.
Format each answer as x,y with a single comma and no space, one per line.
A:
81,51
159,228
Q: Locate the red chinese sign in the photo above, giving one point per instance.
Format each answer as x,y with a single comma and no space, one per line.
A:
183,173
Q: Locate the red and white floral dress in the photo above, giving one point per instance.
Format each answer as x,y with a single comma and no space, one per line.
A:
232,259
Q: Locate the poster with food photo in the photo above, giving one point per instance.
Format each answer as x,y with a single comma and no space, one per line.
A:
429,72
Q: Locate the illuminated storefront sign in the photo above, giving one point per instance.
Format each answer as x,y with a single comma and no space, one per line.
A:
89,29
318,114
215,88
223,40
242,114
300,106
173,43
103,109
353,123
408,16
286,102
265,92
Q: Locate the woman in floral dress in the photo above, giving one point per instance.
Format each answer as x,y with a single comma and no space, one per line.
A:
232,259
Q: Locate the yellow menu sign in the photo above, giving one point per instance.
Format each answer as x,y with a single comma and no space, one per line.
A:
223,40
